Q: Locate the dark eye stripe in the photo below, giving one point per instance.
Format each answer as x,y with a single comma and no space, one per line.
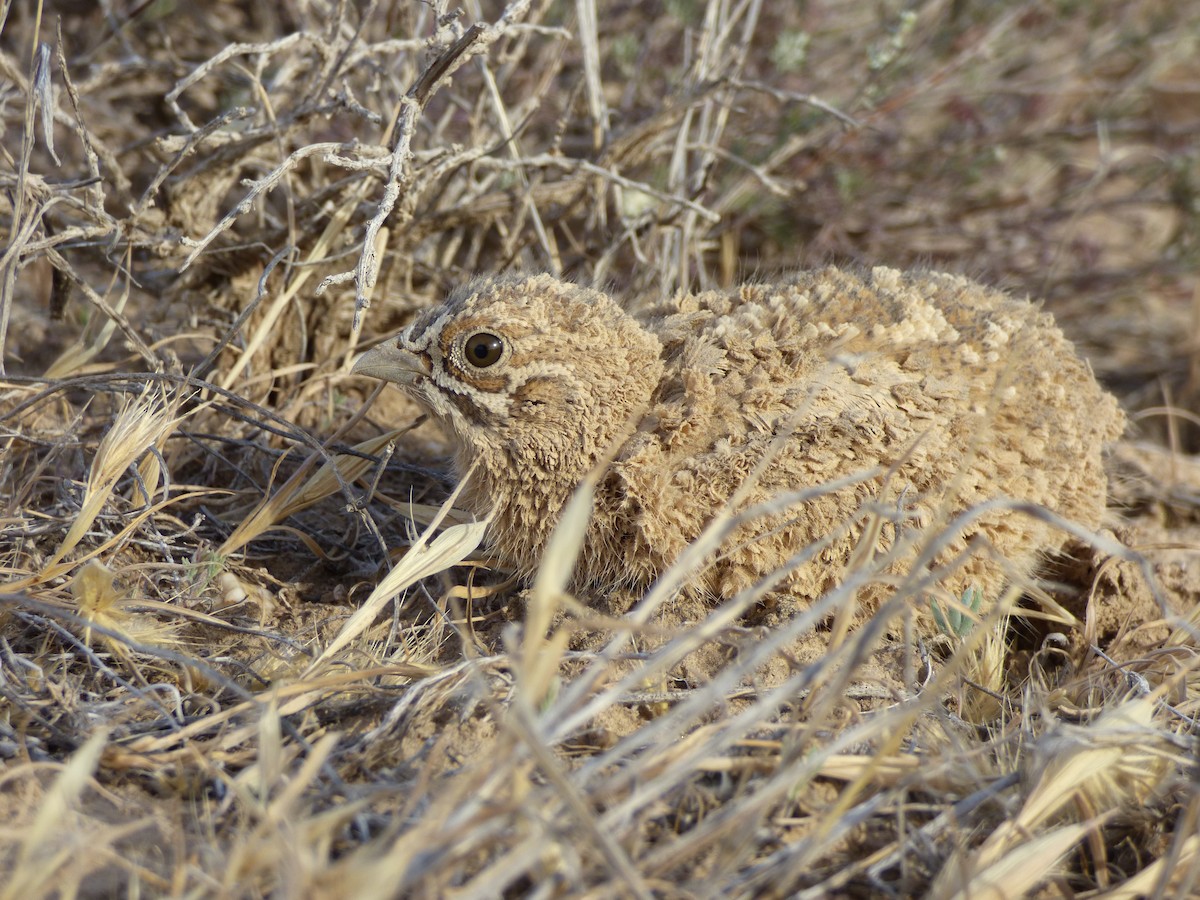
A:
477,415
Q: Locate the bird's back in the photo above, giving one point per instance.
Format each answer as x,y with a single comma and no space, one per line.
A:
934,392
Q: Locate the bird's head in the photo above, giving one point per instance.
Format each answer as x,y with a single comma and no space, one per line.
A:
527,371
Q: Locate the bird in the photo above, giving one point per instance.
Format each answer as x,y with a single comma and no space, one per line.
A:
908,417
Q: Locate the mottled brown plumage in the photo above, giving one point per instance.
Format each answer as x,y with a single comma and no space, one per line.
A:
939,392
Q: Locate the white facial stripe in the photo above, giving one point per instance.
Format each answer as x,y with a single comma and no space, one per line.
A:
428,342
496,404
518,376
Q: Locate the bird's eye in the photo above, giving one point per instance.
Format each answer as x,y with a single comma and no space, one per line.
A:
483,349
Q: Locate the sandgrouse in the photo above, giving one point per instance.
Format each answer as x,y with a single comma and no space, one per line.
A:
901,399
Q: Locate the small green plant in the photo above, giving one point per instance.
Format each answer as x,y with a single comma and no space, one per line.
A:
790,50
883,54
955,622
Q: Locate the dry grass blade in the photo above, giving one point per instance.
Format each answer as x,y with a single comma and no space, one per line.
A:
1092,767
40,856
425,558
276,800
1096,763
100,602
88,345
300,491
292,698
1155,880
1018,871
140,424
542,651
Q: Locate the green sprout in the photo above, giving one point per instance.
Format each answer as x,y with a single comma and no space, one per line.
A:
955,622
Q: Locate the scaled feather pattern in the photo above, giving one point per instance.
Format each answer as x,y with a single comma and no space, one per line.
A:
848,408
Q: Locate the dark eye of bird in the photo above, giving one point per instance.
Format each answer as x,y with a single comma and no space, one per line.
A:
483,349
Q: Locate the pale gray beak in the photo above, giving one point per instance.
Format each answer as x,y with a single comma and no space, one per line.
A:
389,362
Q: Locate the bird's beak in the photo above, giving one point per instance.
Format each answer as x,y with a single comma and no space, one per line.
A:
389,362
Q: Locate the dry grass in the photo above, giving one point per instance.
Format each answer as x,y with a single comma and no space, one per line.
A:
209,207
